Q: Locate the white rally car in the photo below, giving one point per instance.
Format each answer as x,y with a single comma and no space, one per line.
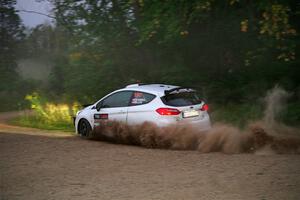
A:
137,103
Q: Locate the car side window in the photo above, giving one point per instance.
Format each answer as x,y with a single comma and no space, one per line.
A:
140,98
118,99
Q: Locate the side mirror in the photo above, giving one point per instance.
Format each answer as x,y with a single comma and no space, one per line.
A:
98,106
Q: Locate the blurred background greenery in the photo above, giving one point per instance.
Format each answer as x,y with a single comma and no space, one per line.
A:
232,51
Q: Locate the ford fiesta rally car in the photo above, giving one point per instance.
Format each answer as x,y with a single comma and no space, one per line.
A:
137,103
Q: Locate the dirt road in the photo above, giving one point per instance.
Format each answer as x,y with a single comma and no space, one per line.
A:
51,165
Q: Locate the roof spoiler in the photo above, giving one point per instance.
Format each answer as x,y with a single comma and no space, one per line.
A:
177,90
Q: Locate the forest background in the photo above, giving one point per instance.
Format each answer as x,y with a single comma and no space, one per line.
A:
232,51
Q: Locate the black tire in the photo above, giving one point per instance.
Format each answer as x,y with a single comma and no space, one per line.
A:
85,129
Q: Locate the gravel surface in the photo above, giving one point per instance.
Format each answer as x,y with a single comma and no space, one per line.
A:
37,165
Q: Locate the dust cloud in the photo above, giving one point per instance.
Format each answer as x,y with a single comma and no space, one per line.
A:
261,137
275,101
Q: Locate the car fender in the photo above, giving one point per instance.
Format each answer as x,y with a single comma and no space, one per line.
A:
84,114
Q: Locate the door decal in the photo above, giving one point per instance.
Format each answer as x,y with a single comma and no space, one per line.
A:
100,116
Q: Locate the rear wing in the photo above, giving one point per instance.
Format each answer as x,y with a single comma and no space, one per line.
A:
178,90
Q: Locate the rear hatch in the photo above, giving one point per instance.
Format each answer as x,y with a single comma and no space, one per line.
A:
187,101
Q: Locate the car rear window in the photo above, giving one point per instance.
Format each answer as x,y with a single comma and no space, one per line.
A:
181,99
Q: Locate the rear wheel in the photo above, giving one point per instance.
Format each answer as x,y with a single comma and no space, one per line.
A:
85,129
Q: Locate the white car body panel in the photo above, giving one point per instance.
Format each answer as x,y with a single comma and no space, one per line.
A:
141,113
114,114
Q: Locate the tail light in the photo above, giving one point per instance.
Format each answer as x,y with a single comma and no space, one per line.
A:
167,111
204,107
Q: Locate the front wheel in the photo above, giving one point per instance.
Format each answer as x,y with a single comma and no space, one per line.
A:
85,129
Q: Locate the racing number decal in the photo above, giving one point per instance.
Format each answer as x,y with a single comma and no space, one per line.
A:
138,98
100,116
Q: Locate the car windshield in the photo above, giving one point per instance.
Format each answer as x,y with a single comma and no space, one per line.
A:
181,99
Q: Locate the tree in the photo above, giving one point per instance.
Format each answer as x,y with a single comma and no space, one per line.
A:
10,35
237,44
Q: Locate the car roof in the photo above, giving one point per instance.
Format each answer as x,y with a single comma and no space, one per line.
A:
158,89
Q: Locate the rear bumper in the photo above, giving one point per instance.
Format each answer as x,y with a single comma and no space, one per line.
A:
201,124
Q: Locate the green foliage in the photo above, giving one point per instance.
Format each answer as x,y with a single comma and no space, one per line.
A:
179,42
13,87
34,122
49,115
10,33
243,114
236,114
291,115
13,99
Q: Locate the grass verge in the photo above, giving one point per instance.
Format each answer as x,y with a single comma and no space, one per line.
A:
238,115
35,122
242,114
